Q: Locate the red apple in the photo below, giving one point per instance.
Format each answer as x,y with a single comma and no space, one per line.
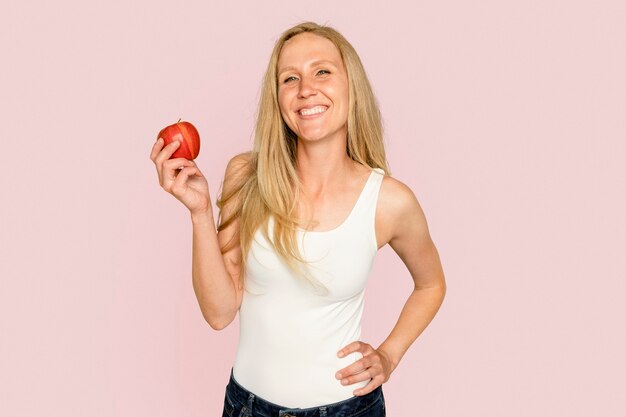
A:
188,136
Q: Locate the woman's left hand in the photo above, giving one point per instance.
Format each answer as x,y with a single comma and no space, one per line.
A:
375,364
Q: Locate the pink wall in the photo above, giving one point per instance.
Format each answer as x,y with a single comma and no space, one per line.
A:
505,118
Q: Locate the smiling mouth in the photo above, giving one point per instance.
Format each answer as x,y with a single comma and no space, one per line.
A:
312,111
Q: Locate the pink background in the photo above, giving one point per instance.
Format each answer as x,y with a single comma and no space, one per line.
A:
507,119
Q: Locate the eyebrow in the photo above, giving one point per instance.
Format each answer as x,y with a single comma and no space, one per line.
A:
319,61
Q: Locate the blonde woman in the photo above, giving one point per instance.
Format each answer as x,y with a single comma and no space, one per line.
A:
302,216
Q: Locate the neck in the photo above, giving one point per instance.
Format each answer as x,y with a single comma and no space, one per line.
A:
323,164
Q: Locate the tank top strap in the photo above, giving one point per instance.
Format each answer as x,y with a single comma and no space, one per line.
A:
365,211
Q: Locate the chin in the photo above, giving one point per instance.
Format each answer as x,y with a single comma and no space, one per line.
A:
314,135
314,138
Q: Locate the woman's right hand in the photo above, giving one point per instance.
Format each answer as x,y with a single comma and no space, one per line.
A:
188,184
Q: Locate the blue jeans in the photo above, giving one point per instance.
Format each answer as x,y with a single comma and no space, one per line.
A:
239,402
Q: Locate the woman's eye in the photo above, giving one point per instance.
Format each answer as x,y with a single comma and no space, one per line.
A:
288,79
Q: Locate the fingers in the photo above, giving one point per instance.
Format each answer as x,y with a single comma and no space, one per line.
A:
175,173
358,377
160,154
371,386
346,374
356,346
165,166
369,367
156,148
366,369
182,177
352,347
171,169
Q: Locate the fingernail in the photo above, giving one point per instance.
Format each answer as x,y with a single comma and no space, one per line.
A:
340,354
338,375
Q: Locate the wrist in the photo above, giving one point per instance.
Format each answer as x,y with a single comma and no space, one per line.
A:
202,216
390,355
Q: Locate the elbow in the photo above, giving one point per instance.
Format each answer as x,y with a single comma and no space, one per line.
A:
217,326
219,323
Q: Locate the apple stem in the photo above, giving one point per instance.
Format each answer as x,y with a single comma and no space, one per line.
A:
178,121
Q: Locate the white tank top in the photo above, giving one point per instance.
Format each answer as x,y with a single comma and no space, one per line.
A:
289,335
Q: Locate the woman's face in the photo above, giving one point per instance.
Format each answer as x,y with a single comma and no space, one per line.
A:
313,88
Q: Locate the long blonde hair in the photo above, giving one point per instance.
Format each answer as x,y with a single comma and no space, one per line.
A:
270,184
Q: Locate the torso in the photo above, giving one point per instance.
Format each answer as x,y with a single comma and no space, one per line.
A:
311,324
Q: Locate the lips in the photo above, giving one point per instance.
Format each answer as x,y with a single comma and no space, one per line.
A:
312,110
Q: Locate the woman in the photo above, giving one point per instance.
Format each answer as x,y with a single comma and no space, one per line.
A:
301,218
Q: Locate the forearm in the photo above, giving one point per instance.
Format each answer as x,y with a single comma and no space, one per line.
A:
212,284
416,315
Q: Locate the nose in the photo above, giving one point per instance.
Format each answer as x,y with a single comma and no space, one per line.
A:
307,88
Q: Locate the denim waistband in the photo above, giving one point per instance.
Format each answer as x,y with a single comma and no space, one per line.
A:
256,404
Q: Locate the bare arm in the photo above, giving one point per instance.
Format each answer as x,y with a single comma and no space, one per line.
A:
215,275
411,240
401,223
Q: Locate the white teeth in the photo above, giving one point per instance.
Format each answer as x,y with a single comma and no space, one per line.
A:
314,110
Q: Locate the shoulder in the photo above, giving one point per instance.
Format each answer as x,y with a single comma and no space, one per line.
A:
237,173
399,211
396,198
237,169
239,162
